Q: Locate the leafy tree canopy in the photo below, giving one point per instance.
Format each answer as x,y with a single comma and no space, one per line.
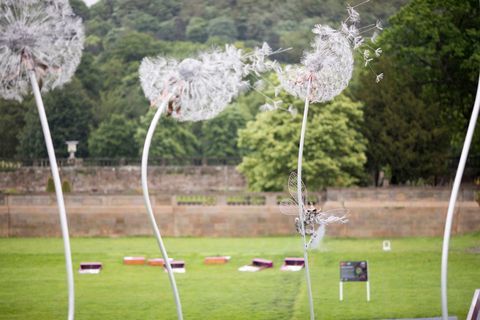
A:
437,43
172,139
416,118
219,138
114,138
197,30
11,122
265,20
69,111
334,152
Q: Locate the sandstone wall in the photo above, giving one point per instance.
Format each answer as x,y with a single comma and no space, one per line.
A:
393,212
126,179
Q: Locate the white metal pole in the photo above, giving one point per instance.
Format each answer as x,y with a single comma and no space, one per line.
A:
368,290
453,199
300,201
58,192
146,197
472,312
341,290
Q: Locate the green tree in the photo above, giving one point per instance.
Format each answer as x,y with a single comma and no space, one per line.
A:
125,97
173,29
253,24
437,43
88,75
222,27
69,112
127,100
197,30
141,22
417,118
130,45
93,44
119,33
334,152
220,134
403,131
227,20
98,27
119,10
11,123
172,139
80,9
114,138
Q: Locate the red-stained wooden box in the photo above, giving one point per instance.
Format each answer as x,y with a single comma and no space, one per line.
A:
134,260
216,260
159,262
262,263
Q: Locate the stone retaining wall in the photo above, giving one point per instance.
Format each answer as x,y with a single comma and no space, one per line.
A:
126,179
394,212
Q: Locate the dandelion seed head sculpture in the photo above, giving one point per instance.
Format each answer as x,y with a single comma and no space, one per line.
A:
199,89
258,62
189,69
192,90
43,36
327,67
41,43
325,71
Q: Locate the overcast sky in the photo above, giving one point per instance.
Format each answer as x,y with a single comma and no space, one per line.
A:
90,2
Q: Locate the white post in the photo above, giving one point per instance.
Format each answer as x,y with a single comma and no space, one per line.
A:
300,202
368,291
453,199
58,191
473,306
341,290
146,197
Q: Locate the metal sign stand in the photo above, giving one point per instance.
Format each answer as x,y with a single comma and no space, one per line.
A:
368,291
341,290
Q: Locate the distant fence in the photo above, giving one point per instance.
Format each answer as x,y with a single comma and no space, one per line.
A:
472,168
12,164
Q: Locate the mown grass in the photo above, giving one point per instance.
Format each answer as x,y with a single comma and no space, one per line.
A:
404,282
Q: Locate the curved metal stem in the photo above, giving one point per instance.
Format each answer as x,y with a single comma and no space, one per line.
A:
301,204
58,191
146,197
453,199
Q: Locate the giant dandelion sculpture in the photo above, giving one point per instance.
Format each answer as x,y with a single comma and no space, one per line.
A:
194,89
453,199
41,44
324,73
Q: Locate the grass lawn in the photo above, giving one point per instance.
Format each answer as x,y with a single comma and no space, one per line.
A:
404,282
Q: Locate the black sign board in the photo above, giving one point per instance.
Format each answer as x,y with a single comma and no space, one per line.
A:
353,271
